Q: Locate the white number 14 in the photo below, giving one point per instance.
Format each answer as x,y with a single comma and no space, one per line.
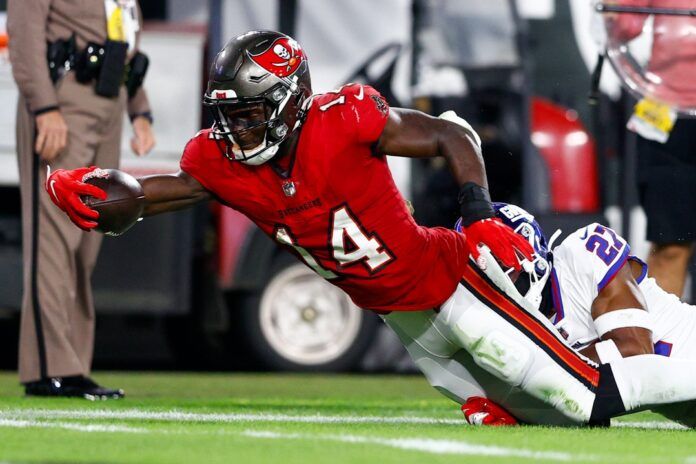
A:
367,249
349,244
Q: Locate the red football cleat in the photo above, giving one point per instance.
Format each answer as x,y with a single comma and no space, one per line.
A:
482,411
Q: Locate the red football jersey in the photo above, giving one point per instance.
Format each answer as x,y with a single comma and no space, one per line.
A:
339,210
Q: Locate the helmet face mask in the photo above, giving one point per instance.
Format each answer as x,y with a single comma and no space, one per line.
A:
245,123
259,82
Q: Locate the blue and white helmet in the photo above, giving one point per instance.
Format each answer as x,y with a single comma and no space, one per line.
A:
526,292
524,224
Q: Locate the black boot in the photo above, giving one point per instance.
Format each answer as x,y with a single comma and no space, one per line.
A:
73,386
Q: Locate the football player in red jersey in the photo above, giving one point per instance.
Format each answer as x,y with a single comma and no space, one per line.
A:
310,171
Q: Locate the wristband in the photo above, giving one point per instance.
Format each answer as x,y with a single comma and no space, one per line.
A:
146,114
621,318
46,109
474,203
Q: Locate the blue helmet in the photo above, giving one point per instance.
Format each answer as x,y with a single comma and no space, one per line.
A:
523,223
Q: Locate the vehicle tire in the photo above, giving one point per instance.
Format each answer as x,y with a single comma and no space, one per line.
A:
300,322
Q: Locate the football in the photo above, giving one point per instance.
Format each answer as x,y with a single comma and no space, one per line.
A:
124,204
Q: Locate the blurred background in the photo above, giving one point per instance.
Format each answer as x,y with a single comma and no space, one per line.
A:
204,289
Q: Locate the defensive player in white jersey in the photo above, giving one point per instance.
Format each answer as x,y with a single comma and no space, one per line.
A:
592,270
594,264
589,284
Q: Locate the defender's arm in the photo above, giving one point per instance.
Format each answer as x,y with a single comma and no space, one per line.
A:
171,192
619,315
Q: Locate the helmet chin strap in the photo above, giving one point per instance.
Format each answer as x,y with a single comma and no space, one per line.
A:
553,238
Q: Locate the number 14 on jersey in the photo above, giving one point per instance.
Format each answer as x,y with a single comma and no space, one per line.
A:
350,244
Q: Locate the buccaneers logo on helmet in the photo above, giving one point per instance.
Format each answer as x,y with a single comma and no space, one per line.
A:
282,58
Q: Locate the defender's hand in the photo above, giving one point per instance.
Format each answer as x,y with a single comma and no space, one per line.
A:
51,134
65,187
143,138
501,240
482,411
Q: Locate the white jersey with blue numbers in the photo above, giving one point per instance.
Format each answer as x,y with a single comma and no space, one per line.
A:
584,263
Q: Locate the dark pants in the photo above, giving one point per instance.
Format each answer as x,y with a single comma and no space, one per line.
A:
667,184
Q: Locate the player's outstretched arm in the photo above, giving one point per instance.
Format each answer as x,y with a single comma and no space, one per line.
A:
171,192
416,135
621,320
166,192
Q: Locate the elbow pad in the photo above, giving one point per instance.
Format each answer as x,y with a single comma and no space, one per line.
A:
451,116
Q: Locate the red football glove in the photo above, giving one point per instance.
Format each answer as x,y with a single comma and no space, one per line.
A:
501,239
482,411
65,187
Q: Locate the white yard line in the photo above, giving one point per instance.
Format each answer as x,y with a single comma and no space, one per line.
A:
667,425
426,445
15,423
56,418
178,416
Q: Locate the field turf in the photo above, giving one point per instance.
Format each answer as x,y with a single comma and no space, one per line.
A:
286,419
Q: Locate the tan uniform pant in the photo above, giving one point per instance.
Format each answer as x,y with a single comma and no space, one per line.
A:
57,327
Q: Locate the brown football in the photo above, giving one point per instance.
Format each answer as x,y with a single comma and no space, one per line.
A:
124,204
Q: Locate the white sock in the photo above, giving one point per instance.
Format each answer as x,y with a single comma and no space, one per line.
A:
650,379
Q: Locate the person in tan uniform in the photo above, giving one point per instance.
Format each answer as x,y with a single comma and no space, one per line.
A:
77,68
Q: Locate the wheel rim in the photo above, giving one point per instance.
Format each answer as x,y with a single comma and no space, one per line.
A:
305,319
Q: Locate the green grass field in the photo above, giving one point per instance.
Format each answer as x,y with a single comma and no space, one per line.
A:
301,419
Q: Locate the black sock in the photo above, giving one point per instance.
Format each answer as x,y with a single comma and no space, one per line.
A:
608,401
